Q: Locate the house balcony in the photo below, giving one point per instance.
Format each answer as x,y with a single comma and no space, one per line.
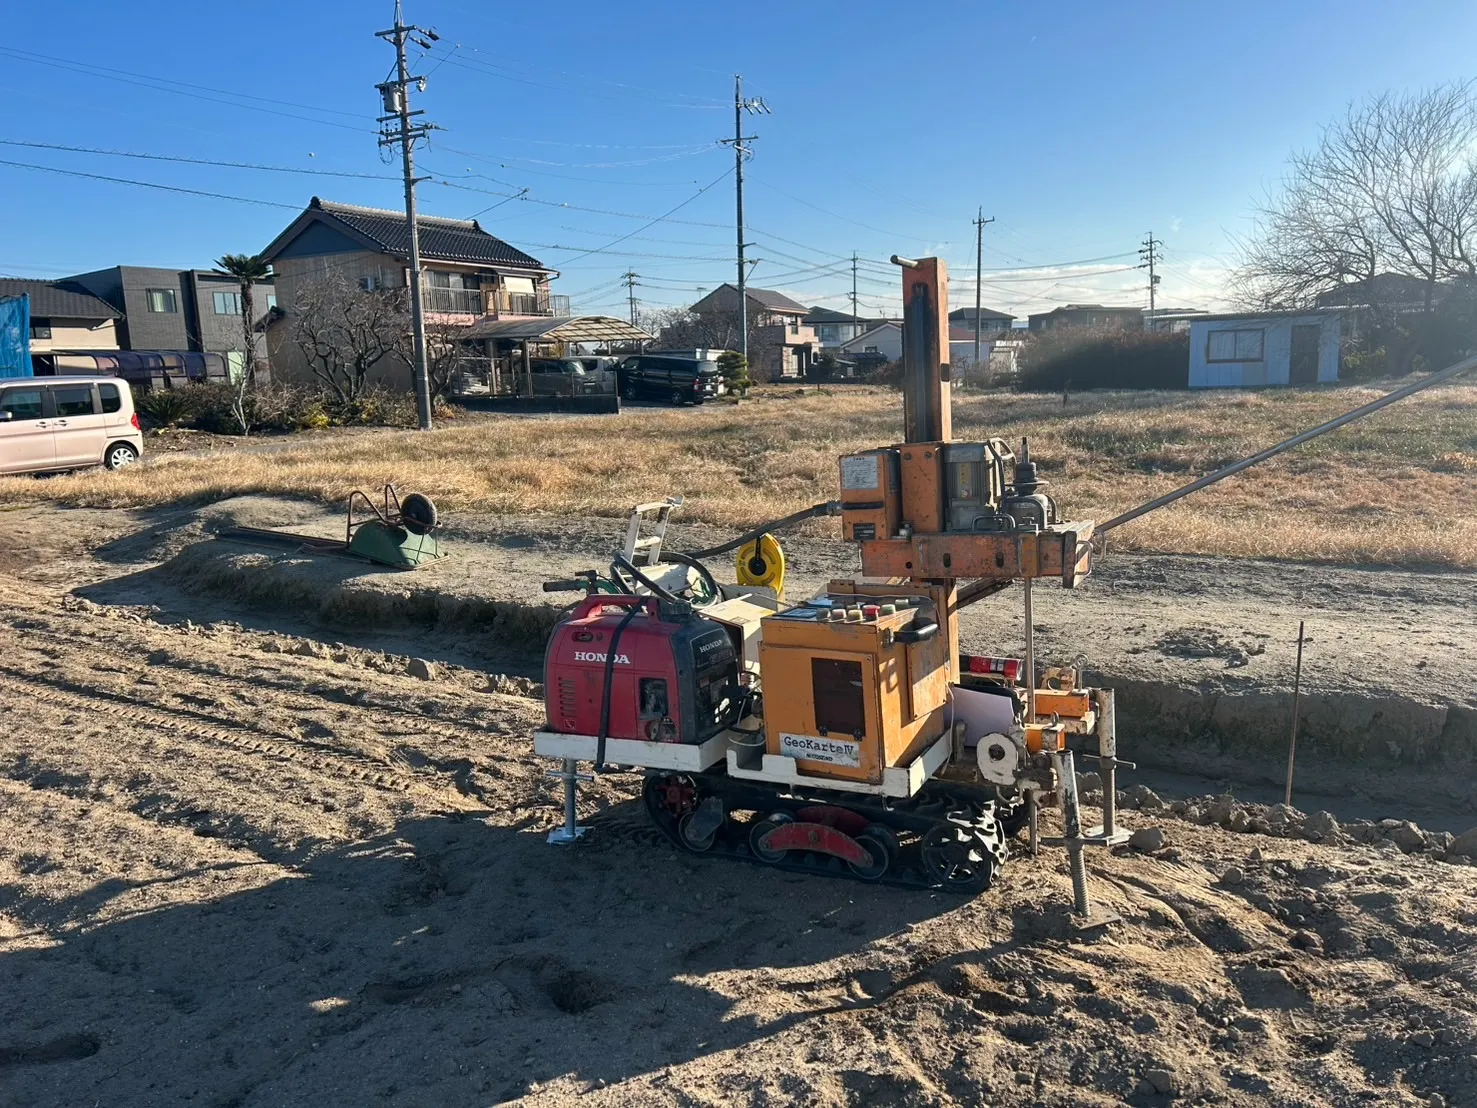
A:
453,305
451,301
784,334
500,303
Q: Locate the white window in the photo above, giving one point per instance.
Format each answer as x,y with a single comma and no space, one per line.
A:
870,350
369,284
1234,346
226,303
162,300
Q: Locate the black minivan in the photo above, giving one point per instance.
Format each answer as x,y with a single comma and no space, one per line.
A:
670,377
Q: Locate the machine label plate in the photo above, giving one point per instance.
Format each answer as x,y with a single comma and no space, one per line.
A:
859,472
818,748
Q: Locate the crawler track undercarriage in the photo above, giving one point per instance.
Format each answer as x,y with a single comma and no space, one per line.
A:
949,836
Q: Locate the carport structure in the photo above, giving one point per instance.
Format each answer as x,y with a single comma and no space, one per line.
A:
523,333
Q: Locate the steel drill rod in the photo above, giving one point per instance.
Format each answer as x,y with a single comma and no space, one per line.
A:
1030,655
825,508
1297,690
1446,374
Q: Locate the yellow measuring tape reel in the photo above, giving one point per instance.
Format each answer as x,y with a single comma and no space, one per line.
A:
761,562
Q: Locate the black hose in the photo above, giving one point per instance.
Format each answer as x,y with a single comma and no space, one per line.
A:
615,641
675,557
825,508
657,590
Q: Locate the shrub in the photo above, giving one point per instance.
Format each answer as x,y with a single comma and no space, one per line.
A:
1364,365
1079,359
889,374
735,369
278,408
164,407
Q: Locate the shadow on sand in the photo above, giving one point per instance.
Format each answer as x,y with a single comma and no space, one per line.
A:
451,962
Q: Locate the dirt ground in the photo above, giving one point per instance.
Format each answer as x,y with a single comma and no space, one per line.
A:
246,859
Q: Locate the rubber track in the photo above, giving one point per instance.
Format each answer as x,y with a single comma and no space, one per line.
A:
125,708
736,848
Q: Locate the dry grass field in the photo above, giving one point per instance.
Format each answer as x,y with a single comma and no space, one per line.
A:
1395,489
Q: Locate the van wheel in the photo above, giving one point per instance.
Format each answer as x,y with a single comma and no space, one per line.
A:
120,454
678,397
628,392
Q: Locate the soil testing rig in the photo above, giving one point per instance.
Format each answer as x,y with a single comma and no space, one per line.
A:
845,734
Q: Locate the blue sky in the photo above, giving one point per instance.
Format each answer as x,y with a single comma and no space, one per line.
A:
1079,126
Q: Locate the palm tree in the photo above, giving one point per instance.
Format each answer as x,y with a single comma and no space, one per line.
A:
248,269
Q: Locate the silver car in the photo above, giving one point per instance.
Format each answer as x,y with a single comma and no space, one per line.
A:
569,377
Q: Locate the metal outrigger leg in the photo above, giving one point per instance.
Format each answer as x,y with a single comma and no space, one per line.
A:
570,775
1076,841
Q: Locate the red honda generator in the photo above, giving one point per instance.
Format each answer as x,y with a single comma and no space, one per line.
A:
639,667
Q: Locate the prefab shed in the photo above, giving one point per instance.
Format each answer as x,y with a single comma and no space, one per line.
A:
1255,349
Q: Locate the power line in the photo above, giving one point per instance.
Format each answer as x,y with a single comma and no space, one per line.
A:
150,185
157,83
490,69
499,204
653,222
197,161
623,253
833,215
452,183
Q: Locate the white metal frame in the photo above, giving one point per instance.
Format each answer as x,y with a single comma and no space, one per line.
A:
897,781
678,757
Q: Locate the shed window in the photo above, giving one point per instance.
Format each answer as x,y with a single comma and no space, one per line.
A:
1234,346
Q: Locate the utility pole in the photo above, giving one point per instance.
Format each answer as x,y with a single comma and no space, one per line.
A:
979,272
854,313
1149,250
630,279
397,130
754,106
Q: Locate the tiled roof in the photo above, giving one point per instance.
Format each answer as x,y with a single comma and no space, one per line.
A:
985,313
444,240
775,301
829,315
58,299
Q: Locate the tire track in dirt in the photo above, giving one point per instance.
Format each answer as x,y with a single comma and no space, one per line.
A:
395,721
363,699
207,729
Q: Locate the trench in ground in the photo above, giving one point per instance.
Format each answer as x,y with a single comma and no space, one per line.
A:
1358,755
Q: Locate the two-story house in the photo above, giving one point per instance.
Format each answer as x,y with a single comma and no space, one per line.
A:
781,343
176,310
833,328
990,322
64,316
1095,316
467,275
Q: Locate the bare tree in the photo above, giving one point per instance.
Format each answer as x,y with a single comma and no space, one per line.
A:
681,329
1391,188
447,354
344,332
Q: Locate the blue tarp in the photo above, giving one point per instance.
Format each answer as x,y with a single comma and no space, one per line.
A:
15,336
